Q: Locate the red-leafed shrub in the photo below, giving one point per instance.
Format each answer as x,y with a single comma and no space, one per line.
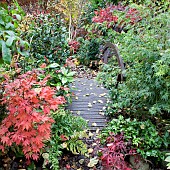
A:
28,122
107,15
115,151
74,46
133,15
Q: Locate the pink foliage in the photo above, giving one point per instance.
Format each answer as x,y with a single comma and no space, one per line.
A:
115,151
106,15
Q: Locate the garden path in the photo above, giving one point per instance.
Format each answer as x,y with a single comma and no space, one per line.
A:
89,102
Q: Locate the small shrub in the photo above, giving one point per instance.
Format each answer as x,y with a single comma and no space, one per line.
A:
117,17
11,42
74,46
60,77
143,136
48,38
28,121
114,153
89,50
66,134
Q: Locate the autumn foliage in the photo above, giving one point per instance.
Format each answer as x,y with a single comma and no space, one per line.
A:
114,153
28,122
74,46
107,15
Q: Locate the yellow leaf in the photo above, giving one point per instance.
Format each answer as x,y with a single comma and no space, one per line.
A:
64,145
90,150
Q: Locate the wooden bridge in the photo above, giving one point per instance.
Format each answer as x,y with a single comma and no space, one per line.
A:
89,102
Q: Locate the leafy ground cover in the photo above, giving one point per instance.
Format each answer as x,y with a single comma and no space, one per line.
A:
37,50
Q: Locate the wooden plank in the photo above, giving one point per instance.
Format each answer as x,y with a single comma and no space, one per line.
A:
86,91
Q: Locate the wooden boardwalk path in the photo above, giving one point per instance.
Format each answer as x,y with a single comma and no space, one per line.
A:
89,102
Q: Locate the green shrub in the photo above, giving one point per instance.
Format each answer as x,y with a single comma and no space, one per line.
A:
168,160
48,38
145,49
59,77
10,41
66,134
89,50
142,134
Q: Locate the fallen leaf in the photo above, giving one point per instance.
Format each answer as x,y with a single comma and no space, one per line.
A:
94,124
78,112
45,155
94,144
103,94
97,130
90,150
93,162
89,105
94,102
100,101
64,145
87,94
108,101
90,134
142,126
101,113
81,161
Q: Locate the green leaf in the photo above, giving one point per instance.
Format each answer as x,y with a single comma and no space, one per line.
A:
6,53
18,17
64,80
71,74
9,25
2,22
58,85
54,65
10,41
167,159
64,71
11,33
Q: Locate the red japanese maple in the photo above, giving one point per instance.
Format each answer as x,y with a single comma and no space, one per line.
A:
28,122
113,154
106,15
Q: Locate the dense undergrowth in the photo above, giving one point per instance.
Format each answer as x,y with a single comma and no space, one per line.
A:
36,50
